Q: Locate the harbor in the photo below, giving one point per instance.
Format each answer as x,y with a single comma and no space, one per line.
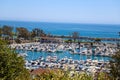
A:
66,56
60,40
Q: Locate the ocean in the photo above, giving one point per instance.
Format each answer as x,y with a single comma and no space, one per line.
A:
89,30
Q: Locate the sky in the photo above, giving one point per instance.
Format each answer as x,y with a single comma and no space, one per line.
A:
73,11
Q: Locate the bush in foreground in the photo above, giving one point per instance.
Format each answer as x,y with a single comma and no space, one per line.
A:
115,66
57,74
11,66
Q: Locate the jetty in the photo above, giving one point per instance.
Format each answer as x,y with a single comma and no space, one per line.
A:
88,38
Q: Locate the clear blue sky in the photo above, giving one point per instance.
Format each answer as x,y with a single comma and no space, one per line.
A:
76,11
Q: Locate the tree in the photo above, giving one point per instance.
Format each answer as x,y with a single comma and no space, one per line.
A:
118,43
0,31
97,40
49,34
75,35
115,66
7,30
57,74
11,66
119,33
36,32
23,33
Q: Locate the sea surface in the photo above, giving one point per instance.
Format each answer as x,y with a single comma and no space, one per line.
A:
89,30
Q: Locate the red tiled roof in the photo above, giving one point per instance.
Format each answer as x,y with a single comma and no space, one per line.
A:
39,71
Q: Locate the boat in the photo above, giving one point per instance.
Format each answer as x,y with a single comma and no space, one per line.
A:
22,54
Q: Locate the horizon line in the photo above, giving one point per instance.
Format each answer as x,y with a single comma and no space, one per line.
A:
61,22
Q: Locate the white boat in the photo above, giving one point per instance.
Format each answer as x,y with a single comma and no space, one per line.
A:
22,54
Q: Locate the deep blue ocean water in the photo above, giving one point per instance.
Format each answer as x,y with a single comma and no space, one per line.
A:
89,30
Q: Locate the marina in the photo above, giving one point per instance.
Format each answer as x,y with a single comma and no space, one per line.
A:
60,40
66,56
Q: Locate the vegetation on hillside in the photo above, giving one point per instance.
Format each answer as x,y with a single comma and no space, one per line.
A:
115,66
11,66
67,75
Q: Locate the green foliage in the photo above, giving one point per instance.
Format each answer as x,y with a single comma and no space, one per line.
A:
75,35
36,32
18,40
119,33
11,66
0,31
115,65
97,40
7,30
62,75
23,33
67,75
69,41
82,76
104,76
52,75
